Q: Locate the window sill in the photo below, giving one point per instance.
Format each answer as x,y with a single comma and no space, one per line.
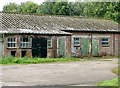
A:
12,47
25,48
49,48
105,45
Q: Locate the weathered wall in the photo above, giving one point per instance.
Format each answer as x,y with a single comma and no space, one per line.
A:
1,48
117,45
112,49
51,52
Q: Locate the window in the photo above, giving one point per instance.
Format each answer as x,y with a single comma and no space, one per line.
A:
76,41
13,53
105,42
25,42
11,42
49,42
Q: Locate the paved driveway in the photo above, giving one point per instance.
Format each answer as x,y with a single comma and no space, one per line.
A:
72,73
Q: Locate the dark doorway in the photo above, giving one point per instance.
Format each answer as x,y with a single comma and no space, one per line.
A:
39,47
13,53
23,53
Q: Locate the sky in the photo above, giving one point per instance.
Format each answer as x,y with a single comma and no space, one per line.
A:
5,2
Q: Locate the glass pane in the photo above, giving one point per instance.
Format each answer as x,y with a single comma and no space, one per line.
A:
104,43
14,40
9,45
105,39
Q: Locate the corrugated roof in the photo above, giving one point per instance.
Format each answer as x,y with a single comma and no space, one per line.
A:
19,23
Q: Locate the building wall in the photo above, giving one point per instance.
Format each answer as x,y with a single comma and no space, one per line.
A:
117,45
51,52
112,49
1,48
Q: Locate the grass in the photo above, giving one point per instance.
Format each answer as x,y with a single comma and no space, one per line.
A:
113,82
25,60
116,70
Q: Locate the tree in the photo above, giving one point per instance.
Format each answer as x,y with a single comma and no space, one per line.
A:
28,7
61,8
11,7
45,8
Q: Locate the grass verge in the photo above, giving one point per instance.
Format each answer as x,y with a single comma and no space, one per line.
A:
25,60
116,70
114,82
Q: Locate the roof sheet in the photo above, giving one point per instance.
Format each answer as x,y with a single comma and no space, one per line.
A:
19,23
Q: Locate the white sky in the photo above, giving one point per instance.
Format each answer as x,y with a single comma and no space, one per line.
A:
5,2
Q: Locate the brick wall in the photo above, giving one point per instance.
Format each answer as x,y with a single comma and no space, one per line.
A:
51,52
112,49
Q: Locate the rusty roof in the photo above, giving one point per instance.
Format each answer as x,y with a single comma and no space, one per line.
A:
21,23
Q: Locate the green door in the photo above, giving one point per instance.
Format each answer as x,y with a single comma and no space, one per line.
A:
85,46
61,47
95,46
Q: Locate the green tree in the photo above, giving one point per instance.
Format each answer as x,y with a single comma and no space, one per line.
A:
45,8
28,7
11,7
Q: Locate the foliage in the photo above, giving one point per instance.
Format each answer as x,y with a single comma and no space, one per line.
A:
28,7
25,60
11,7
113,82
109,10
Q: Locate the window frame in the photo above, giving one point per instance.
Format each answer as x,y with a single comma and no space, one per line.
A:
76,41
49,40
25,44
12,42
105,41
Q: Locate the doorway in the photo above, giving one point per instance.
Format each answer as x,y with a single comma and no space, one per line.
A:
23,53
39,47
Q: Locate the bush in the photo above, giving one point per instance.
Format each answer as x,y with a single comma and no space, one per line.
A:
7,60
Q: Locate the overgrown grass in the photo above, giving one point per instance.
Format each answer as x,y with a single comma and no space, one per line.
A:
25,60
